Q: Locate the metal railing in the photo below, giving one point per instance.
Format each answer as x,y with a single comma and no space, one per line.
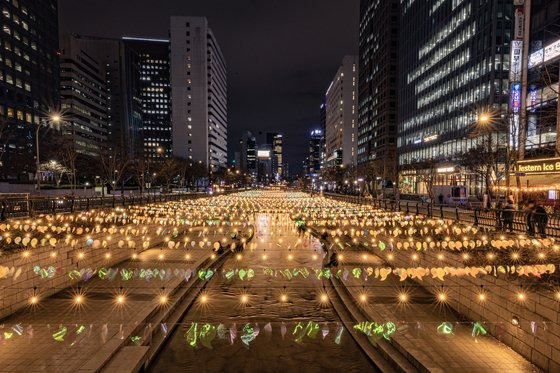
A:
32,206
521,221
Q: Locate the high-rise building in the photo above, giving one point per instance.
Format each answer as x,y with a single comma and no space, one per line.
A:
121,69
323,124
542,103
155,95
83,94
199,93
323,116
275,141
539,151
314,162
454,58
378,85
248,153
29,80
342,115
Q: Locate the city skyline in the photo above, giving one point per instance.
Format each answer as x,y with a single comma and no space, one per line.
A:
276,90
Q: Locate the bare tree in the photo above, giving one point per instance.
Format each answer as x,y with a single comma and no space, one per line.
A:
56,169
426,172
486,162
371,172
143,170
113,165
170,169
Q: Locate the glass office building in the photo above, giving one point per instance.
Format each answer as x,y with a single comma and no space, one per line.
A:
454,61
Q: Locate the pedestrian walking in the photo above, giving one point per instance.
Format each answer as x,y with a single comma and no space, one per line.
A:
529,216
540,220
508,215
499,215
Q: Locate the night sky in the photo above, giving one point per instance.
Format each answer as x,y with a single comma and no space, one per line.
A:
281,54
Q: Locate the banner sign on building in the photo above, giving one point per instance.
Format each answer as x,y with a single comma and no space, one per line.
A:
519,24
516,60
552,51
549,52
536,58
515,97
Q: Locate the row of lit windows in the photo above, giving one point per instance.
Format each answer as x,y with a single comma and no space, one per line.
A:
457,102
445,31
484,66
452,64
449,149
18,114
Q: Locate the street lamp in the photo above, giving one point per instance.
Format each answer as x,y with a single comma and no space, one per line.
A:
483,118
54,118
493,123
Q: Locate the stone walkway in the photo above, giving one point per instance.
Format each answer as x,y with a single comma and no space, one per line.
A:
59,336
458,351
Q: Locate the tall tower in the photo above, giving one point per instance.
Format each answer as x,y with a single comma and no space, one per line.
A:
342,115
155,95
199,93
378,85
29,80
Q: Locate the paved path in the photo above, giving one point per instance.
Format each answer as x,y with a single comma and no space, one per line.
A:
458,351
92,327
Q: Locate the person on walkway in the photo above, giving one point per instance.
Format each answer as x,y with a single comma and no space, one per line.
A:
508,215
499,215
540,219
529,206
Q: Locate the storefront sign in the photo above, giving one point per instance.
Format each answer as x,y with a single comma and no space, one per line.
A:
539,166
516,60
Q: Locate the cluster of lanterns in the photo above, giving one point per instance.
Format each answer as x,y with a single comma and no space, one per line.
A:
217,222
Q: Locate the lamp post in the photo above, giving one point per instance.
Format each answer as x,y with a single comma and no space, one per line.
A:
55,118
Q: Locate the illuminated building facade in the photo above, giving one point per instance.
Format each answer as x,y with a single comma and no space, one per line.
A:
454,59
342,115
248,153
199,93
275,141
29,79
537,170
155,95
315,153
542,97
378,84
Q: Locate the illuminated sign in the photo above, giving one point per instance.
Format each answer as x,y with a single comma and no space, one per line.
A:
539,166
263,154
533,96
536,58
549,52
515,97
431,137
445,170
519,24
516,60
